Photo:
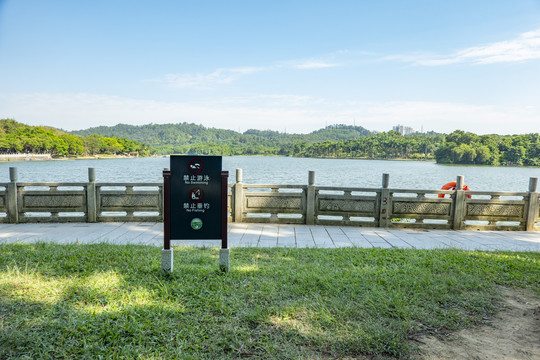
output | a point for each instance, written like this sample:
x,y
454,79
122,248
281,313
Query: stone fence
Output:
x,y
286,204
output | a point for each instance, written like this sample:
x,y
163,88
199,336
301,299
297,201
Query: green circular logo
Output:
x,y
196,224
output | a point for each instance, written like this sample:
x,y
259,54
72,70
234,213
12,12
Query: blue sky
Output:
x,y
291,66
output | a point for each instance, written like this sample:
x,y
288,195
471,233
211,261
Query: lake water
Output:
x,y
283,170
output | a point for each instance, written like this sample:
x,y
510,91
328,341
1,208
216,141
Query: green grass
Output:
x,y
112,302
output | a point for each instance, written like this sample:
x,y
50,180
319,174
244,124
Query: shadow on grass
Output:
x,y
85,301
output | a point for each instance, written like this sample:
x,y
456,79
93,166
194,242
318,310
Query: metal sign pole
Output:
x,y
224,252
167,252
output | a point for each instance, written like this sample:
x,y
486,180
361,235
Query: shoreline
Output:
x,y
48,157
44,157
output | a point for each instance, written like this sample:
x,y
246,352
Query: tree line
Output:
x,y
190,138
459,147
385,145
467,148
16,137
335,141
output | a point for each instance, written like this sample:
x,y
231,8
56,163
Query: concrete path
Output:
x,y
274,235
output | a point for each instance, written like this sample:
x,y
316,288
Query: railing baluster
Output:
x,y
285,203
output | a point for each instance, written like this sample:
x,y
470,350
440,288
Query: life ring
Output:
x,y
452,186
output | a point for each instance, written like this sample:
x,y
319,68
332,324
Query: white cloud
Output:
x,y
295,113
525,47
314,65
228,75
206,81
447,117
285,100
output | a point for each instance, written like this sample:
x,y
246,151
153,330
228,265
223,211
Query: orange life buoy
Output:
x,y
452,186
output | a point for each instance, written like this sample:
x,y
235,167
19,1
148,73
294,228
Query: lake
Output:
x,y
285,170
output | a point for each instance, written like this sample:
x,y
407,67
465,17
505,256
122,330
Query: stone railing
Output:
x,y
80,202
287,204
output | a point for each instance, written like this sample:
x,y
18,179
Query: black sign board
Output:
x,y
195,197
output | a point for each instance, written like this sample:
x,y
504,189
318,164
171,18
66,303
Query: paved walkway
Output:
x,y
274,235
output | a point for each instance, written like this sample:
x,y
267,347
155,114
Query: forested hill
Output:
x,y
192,138
16,138
336,141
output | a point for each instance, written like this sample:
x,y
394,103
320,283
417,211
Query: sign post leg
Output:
x,y
224,252
167,260
224,256
167,252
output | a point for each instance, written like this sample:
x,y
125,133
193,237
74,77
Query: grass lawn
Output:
x,y
112,302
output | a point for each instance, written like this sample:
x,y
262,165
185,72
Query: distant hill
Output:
x,y
192,138
19,138
335,141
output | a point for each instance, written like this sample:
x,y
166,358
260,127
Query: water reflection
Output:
x,y
281,170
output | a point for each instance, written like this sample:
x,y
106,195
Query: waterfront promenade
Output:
x,y
274,235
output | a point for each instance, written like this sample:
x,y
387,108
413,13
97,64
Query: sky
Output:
x,y
292,66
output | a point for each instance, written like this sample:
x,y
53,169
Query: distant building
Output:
x,y
403,130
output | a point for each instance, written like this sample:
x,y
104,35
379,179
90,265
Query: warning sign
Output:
x,y
195,197
195,166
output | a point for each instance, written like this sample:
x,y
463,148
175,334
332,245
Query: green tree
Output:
x,y
515,155
92,144
75,145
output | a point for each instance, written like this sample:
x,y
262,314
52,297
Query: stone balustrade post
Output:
x,y
460,181
238,190
310,199
12,196
532,211
459,204
384,208
91,200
